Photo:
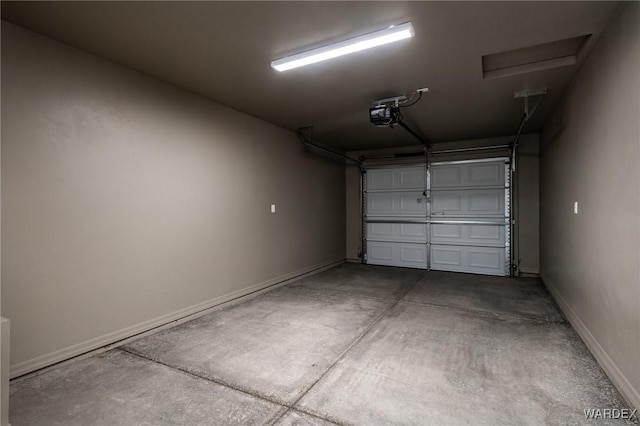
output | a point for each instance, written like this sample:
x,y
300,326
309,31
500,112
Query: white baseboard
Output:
x,y
529,271
616,376
5,339
120,337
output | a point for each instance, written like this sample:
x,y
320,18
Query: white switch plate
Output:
x,y
273,208
575,207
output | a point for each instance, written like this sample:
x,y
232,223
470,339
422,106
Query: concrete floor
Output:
x,y
353,345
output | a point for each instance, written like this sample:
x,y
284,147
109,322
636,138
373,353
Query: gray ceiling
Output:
x,y
222,51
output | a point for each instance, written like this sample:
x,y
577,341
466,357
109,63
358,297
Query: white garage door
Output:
x,y
461,224
396,217
469,217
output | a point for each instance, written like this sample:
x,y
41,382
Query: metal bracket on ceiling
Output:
x,y
395,101
528,112
526,94
305,134
399,101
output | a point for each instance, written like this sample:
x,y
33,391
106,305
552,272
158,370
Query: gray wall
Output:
x,y
527,194
591,154
128,202
353,213
528,218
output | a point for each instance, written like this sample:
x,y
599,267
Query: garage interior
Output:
x,y
441,230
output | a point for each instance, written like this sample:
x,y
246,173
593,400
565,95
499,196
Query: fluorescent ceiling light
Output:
x,y
389,35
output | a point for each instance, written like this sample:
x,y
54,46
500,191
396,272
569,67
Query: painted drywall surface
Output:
x,y
125,199
527,192
528,165
590,153
353,213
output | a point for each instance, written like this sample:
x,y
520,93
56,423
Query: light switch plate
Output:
x,y
273,208
575,207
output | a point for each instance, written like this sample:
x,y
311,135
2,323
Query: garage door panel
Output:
x,y
443,202
400,178
486,234
413,204
485,174
411,178
380,253
380,179
396,204
411,232
376,231
397,254
486,202
469,203
380,204
484,258
446,258
478,260
443,232
468,234
413,254
467,175
464,229
446,176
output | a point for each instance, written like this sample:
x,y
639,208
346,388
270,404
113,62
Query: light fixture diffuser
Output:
x,y
378,38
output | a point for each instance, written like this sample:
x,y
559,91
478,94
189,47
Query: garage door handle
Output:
x,y
437,212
